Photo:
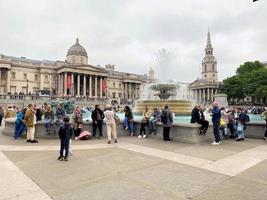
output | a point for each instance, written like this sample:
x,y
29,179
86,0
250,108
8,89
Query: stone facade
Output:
x,y
73,77
204,89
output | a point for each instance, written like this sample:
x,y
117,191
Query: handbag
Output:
x,y
116,119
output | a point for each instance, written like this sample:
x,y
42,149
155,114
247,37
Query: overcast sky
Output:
x,y
127,33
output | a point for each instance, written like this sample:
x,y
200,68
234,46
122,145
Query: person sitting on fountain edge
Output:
x,y
197,116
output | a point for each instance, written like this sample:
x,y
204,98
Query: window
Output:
x,y
213,75
119,95
46,77
113,95
13,75
205,76
36,77
25,76
114,85
213,67
205,68
120,85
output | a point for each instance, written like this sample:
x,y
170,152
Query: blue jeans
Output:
x,y
19,130
216,131
240,131
125,122
152,124
48,123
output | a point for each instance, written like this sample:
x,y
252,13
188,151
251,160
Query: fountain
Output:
x,y
162,92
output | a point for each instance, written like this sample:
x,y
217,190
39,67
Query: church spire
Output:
x,y
208,49
209,63
208,41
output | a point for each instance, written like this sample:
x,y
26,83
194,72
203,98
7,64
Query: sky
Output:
x,y
129,33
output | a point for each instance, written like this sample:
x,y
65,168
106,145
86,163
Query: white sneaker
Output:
x,y
215,143
139,136
144,136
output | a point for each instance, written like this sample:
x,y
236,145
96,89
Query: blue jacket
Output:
x,y
216,114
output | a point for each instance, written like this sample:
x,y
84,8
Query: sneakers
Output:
x,y
144,136
139,136
126,128
215,143
60,158
132,134
65,158
28,141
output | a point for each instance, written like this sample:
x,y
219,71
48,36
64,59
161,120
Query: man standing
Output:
x,y
166,119
216,116
2,113
97,117
29,122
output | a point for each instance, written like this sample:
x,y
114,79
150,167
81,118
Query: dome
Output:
x,y
77,50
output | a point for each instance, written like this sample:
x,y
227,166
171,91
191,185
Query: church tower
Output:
x,y
209,64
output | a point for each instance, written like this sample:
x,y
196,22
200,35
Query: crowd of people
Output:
x,y
223,119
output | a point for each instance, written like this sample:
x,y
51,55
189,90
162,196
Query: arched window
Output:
x,y
205,68
213,67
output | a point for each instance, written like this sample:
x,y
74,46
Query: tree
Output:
x,y
250,80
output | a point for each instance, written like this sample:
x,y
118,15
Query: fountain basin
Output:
x,y
179,107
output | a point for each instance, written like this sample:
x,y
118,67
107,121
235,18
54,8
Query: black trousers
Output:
x,y
204,123
143,128
166,133
98,125
1,118
231,128
64,145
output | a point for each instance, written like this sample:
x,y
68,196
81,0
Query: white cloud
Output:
x,y
128,32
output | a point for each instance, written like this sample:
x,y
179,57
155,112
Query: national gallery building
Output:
x,y
72,77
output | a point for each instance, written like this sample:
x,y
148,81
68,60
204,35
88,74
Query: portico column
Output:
x,y
72,84
65,83
8,81
41,81
61,84
95,86
90,86
78,84
130,90
84,85
208,94
101,94
212,94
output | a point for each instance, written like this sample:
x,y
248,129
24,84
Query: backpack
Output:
x,y
247,119
164,119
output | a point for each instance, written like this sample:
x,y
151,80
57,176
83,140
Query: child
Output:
x,y
65,133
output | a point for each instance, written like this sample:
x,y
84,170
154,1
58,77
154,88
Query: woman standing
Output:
x,y
111,125
19,124
77,119
129,120
166,119
144,122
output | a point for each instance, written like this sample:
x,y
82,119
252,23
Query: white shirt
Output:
x,y
109,116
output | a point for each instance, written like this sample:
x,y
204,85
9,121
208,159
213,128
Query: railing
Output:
x,y
23,100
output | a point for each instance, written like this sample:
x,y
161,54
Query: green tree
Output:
x,y
250,80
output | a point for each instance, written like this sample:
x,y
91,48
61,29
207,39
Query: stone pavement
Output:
x,y
133,169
